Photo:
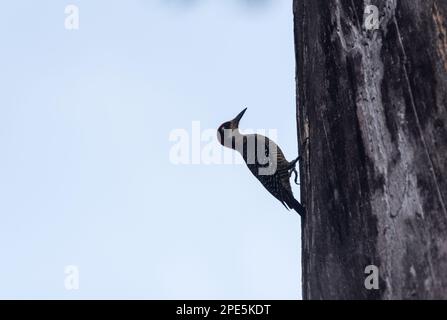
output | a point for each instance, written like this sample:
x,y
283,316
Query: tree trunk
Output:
x,y
373,178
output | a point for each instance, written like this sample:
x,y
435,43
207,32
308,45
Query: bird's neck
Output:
x,y
238,141
237,134
233,139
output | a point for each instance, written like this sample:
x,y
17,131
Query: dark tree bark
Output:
x,y
373,103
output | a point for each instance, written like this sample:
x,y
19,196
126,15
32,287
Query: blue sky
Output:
x,y
85,173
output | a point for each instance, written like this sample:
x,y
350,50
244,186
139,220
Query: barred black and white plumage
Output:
x,y
264,159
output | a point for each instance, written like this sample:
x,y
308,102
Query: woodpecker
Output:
x,y
264,159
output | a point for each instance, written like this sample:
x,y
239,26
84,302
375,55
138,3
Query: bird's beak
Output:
x,y
239,117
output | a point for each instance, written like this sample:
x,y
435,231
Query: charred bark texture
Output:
x,y
373,103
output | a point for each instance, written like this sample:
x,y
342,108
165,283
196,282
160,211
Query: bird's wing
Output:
x,y
277,184
267,163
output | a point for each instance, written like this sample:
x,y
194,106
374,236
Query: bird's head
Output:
x,y
227,129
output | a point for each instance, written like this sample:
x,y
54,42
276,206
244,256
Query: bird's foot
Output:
x,y
293,170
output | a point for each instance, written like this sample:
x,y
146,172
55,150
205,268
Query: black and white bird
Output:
x,y
264,159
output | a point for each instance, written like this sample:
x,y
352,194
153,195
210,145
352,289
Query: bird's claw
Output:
x,y
293,168
296,175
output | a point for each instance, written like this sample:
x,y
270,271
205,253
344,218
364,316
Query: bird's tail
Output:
x,y
295,205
